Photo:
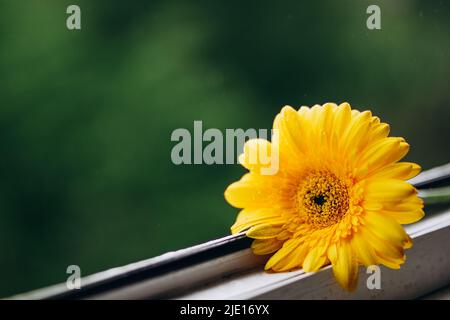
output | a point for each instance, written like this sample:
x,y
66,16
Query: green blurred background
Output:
x,y
86,116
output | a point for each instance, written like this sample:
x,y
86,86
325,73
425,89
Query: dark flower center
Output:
x,y
323,199
320,200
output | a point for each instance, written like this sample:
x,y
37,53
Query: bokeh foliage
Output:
x,y
86,116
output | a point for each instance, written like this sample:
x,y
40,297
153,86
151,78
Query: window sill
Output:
x,y
226,269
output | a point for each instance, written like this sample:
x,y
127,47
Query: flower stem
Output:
x,y
435,195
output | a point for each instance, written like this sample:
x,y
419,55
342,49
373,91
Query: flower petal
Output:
x,y
262,247
385,228
356,134
388,190
405,216
400,170
384,152
279,259
294,260
392,263
314,260
342,118
265,231
254,190
288,132
381,247
257,154
363,250
345,265
252,217
378,132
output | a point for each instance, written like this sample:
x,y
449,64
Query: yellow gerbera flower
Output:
x,y
338,197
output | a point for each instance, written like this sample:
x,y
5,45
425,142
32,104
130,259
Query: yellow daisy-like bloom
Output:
x,y
338,197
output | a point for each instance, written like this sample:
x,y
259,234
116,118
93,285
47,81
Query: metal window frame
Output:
x,y
225,268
